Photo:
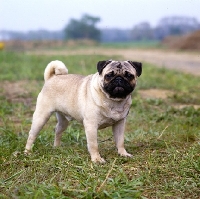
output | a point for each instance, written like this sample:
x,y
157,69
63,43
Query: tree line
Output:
x,y
86,28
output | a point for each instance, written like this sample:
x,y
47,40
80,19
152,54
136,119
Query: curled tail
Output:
x,y
55,68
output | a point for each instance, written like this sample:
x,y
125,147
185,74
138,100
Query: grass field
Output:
x,y
164,138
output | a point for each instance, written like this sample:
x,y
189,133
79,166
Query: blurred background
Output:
x,y
56,23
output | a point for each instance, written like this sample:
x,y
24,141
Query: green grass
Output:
x,y
20,66
163,139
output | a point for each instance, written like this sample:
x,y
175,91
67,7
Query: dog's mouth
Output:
x,y
118,89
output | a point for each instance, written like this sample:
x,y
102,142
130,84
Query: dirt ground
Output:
x,y
188,62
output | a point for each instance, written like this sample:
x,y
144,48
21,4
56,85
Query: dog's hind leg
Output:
x,y
60,127
40,117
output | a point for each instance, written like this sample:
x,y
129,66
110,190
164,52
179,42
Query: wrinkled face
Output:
x,y
118,78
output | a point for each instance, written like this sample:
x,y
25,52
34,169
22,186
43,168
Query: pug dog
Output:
x,y
97,101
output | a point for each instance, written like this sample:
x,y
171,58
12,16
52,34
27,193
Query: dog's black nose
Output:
x,y
118,79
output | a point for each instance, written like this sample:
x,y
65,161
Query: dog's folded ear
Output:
x,y
101,65
137,66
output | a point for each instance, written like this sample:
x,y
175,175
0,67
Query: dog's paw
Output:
x,y
98,159
27,152
124,153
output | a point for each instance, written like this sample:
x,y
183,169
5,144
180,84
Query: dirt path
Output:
x,y
186,62
183,61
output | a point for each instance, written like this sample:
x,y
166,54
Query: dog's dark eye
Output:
x,y
129,75
109,75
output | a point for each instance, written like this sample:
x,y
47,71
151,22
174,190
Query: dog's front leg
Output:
x,y
91,135
118,132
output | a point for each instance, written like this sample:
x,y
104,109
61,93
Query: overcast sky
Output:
x,y
25,15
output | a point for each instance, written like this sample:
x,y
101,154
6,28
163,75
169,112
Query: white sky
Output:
x,y
25,15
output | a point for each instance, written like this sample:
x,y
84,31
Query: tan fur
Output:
x,y
55,68
81,98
